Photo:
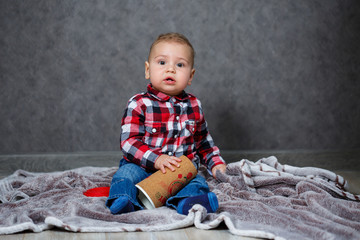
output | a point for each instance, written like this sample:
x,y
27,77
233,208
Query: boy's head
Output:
x,y
170,64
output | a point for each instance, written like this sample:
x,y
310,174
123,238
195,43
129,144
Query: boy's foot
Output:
x,y
209,201
121,205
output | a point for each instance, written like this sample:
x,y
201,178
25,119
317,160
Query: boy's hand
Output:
x,y
220,167
167,161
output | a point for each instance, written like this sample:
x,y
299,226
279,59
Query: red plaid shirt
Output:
x,y
155,123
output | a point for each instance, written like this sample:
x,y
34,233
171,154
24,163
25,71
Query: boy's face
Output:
x,y
169,67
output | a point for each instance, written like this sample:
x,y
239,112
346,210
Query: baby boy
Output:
x,y
162,124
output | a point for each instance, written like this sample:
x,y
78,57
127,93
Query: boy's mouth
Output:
x,y
169,80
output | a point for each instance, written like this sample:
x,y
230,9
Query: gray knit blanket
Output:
x,y
262,199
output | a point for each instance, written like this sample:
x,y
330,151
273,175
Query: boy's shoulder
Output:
x,y
143,97
192,97
139,96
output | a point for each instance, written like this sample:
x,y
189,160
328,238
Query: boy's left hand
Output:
x,y
221,168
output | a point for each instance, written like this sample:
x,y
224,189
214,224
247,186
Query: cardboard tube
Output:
x,y
158,187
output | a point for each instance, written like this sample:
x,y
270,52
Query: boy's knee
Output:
x,y
131,172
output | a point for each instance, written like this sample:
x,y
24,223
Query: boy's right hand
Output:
x,y
167,161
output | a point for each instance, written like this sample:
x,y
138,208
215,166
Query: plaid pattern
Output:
x,y
155,123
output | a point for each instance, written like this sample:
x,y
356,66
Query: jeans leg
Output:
x,y
195,187
124,181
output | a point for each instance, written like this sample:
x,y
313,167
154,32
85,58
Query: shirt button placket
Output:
x,y
176,124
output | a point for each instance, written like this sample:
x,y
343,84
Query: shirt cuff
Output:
x,y
216,160
149,159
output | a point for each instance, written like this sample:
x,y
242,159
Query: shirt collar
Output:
x,y
163,97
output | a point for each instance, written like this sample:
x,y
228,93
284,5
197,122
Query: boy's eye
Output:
x,y
162,62
180,64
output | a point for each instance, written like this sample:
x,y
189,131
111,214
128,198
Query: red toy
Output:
x,y
98,192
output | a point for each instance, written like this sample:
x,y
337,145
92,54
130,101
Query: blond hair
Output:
x,y
174,37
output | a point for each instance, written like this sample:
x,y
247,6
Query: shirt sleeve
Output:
x,y
131,138
209,153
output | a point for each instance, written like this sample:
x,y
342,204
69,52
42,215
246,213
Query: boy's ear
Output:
x,y
191,76
147,72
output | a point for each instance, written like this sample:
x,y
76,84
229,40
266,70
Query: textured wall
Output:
x,y
271,74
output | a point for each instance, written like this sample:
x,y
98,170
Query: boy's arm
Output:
x,y
131,139
210,154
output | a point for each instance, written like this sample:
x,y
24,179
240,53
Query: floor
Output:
x,y
344,163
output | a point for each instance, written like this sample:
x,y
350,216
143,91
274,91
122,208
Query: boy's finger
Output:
x,y
175,163
176,159
171,167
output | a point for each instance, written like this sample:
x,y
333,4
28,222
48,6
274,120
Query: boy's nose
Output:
x,y
171,68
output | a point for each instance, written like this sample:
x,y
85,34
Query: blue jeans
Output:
x,y
129,174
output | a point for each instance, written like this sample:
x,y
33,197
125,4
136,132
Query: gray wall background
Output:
x,y
271,75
